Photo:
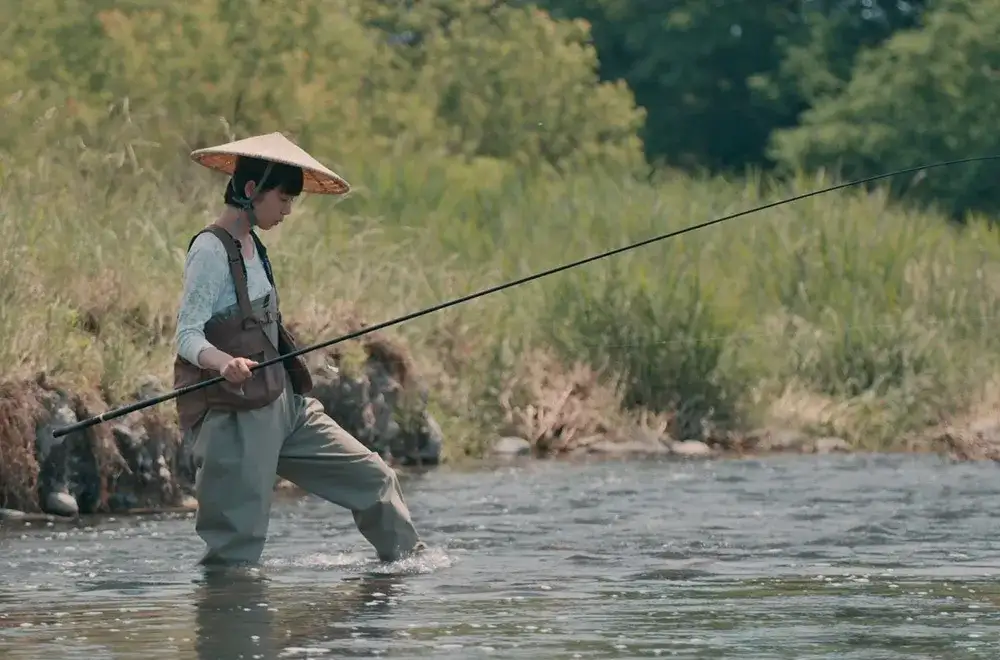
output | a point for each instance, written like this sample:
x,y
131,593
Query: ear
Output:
x,y
249,189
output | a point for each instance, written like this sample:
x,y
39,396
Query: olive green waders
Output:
x,y
239,453
239,448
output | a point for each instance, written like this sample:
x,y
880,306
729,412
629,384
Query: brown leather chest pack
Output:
x,y
241,335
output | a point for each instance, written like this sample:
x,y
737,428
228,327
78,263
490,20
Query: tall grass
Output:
x,y
881,319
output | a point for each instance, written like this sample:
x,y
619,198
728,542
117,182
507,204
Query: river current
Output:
x,y
789,557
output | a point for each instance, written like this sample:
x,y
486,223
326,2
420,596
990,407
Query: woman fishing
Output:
x,y
256,425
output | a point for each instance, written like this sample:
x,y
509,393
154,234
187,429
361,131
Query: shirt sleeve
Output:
x,y
206,272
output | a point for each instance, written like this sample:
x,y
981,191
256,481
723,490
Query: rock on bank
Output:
x,y
141,460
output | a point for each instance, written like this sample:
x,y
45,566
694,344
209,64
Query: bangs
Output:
x,y
287,178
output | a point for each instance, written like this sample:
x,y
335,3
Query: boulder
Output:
x,y
134,461
510,446
691,449
379,403
141,460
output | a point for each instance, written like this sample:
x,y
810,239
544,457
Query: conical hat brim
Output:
x,y
275,147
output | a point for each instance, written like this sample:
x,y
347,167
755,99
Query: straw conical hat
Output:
x,y
279,149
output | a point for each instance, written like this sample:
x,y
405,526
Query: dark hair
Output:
x,y
286,177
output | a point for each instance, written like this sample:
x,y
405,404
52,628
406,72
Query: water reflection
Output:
x,y
822,557
241,613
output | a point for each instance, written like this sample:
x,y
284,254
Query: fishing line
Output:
x,y
139,405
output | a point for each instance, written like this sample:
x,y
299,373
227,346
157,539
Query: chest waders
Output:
x,y
244,437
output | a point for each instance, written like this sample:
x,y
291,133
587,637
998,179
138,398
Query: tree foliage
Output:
x,y
510,84
690,64
718,78
860,86
929,94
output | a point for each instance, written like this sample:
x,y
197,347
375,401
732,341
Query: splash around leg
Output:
x,y
327,461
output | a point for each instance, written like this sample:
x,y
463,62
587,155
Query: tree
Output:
x,y
343,77
509,82
928,94
716,79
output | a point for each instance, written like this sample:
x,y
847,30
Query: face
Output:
x,y
271,207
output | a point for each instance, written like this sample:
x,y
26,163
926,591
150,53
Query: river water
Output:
x,y
791,557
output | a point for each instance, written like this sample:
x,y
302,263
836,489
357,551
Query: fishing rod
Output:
x,y
139,405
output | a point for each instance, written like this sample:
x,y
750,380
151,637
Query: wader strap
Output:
x,y
237,268
262,255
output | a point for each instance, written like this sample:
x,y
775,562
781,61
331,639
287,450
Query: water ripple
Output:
x,y
805,557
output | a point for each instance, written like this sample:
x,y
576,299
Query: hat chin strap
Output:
x,y
246,203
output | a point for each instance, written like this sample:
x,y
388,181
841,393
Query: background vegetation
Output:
x,y
487,140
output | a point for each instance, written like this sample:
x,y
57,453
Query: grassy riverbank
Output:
x,y
839,315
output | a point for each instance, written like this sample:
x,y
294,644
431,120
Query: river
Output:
x,y
789,557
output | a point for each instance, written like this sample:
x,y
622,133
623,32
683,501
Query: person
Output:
x,y
258,424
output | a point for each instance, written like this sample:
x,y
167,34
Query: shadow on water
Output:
x,y
242,614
